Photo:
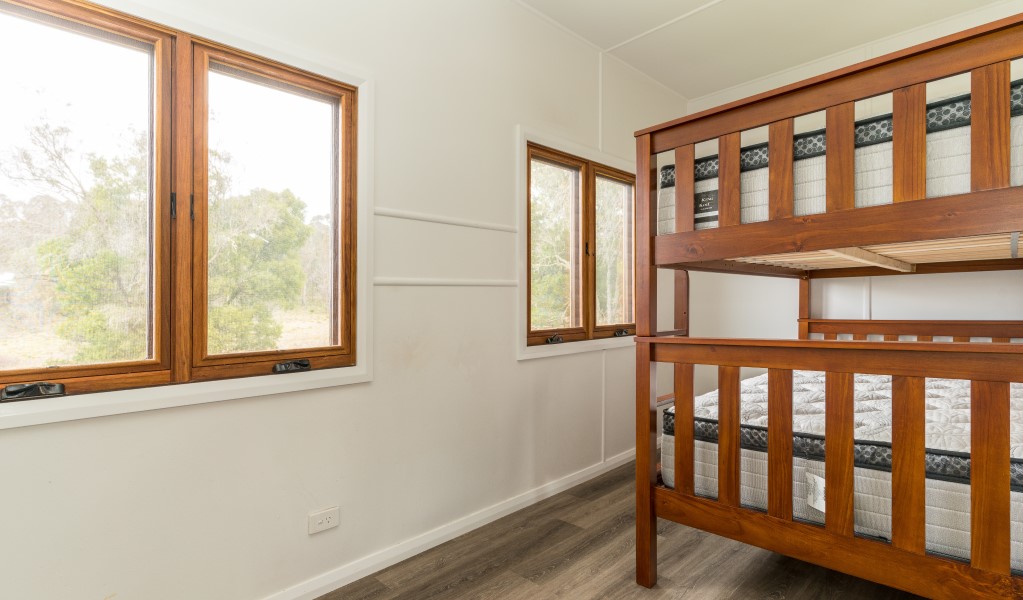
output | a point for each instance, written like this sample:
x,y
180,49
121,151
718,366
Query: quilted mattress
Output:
x,y
947,458
948,166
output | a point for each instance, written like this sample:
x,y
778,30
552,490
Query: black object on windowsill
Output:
x,y
292,366
30,391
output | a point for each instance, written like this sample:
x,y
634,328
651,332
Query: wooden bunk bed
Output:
x,y
912,234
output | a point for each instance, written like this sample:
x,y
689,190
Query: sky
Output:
x,y
100,90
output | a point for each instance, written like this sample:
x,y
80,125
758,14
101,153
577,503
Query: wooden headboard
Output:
x,y
924,331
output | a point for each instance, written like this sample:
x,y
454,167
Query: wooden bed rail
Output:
x,y
924,331
990,367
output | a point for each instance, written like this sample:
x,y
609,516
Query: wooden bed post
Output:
x,y
646,392
804,307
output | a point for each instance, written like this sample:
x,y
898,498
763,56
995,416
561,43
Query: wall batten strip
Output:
x,y
395,213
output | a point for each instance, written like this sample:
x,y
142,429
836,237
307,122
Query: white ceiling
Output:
x,y
699,47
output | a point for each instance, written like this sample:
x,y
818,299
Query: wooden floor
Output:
x,y
580,544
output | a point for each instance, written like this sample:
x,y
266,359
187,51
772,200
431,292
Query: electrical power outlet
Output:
x,y
327,518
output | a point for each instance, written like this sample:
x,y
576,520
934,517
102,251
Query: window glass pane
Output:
x,y
273,156
76,167
614,252
554,226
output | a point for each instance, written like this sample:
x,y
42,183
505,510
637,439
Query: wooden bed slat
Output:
x,y
909,143
989,476
989,137
780,185
908,484
685,187
841,157
779,443
684,449
729,453
838,453
729,201
859,255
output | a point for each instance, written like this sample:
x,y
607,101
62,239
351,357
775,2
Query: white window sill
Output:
x,y
102,404
546,350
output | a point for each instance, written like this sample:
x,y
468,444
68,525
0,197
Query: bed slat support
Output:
x,y
989,476
779,443
838,453
908,485
871,258
729,452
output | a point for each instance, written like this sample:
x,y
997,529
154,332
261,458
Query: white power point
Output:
x,y
327,518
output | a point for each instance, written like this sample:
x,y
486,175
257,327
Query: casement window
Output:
x,y
171,209
580,248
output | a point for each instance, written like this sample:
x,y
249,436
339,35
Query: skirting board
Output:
x,y
353,571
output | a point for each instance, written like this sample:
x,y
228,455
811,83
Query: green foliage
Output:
x,y
89,252
552,217
254,244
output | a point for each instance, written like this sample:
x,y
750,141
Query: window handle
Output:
x,y
292,366
28,391
555,339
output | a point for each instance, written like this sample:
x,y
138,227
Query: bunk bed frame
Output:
x,y
771,248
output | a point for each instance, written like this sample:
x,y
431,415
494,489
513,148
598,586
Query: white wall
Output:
x,y
210,501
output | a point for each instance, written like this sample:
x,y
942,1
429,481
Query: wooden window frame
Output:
x,y
178,243
204,365
589,172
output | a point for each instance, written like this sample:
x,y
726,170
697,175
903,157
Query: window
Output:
x,y
580,246
179,210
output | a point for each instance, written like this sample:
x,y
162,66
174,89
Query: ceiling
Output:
x,y
699,47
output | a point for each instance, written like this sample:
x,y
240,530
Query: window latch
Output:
x,y
621,332
28,391
292,366
555,339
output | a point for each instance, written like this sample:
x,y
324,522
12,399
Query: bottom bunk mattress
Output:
x,y
947,458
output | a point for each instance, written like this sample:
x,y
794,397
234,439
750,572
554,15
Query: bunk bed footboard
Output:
x,y
906,564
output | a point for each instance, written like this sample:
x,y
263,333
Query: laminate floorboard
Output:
x,y
580,544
